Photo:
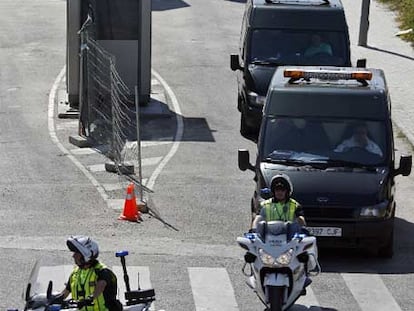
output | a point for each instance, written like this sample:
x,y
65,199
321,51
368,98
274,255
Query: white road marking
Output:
x,y
66,125
212,289
178,134
83,169
59,275
52,133
155,143
118,186
370,292
83,151
97,168
150,161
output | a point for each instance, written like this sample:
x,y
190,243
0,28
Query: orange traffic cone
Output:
x,y
131,211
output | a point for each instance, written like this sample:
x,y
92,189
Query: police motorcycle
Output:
x,y
39,294
278,262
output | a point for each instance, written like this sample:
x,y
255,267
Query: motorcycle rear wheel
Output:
x,y
276,298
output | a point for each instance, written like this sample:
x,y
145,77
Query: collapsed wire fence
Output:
x,y
109,115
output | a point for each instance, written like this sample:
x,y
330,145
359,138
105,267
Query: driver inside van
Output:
x,y
359,139
317,46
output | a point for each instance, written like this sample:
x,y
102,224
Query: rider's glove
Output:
x,y
252,230
88,301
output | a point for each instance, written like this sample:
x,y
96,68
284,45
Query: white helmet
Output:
x,y
282,180
84,245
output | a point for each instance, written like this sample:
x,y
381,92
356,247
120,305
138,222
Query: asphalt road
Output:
x,y
200,192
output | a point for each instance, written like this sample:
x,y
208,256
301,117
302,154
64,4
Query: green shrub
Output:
x,y
405,10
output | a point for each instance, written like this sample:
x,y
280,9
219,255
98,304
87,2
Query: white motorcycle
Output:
x,y
40,297
281,261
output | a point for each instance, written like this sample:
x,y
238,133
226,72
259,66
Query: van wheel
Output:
x,y
387,251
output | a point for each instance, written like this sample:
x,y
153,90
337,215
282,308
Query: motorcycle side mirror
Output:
x,y
49,290
28,288
265,193
249,257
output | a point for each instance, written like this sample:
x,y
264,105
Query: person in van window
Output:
x,y
317,46
359,139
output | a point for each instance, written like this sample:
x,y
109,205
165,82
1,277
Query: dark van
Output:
x,y
330,130
284,32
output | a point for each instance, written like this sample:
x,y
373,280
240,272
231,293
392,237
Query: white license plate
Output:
x,y
325,231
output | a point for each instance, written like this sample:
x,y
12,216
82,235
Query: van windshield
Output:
x,y
340,142
294,47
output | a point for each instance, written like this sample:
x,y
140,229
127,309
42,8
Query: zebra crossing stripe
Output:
x,y
370,292
309,300
59,275
157,143
134,272
212,289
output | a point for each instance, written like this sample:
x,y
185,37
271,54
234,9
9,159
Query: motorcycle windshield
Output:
x,y
47,275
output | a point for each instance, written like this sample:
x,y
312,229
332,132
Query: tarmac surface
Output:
x,y
384,50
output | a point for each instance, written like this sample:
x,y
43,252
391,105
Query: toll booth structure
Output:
x,y
123,28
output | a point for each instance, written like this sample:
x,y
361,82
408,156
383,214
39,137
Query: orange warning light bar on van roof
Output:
x,y
327,74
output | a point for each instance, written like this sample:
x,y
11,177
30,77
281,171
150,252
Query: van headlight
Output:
x,y
255,99
375,211
282,260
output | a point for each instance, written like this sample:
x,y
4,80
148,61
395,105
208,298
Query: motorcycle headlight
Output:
x,y
255,99
266,258
376,211
283,259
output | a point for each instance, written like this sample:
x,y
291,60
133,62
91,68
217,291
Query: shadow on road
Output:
x,y
389,52
163,5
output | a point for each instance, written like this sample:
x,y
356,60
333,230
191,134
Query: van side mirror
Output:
x,y
235,62
244,163
405,165
361,63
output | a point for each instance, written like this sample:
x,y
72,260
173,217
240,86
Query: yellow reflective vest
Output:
x,y
279,211
82,285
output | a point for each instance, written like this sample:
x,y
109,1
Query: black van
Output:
x,y
329,129
281,32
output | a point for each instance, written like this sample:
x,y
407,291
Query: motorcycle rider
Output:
x,y
91,283
283,207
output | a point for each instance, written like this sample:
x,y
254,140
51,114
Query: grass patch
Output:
x,y
405,10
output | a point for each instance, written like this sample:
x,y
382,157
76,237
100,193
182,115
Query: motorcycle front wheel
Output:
x,y
276,297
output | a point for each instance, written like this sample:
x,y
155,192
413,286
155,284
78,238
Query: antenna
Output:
x,y
139,287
